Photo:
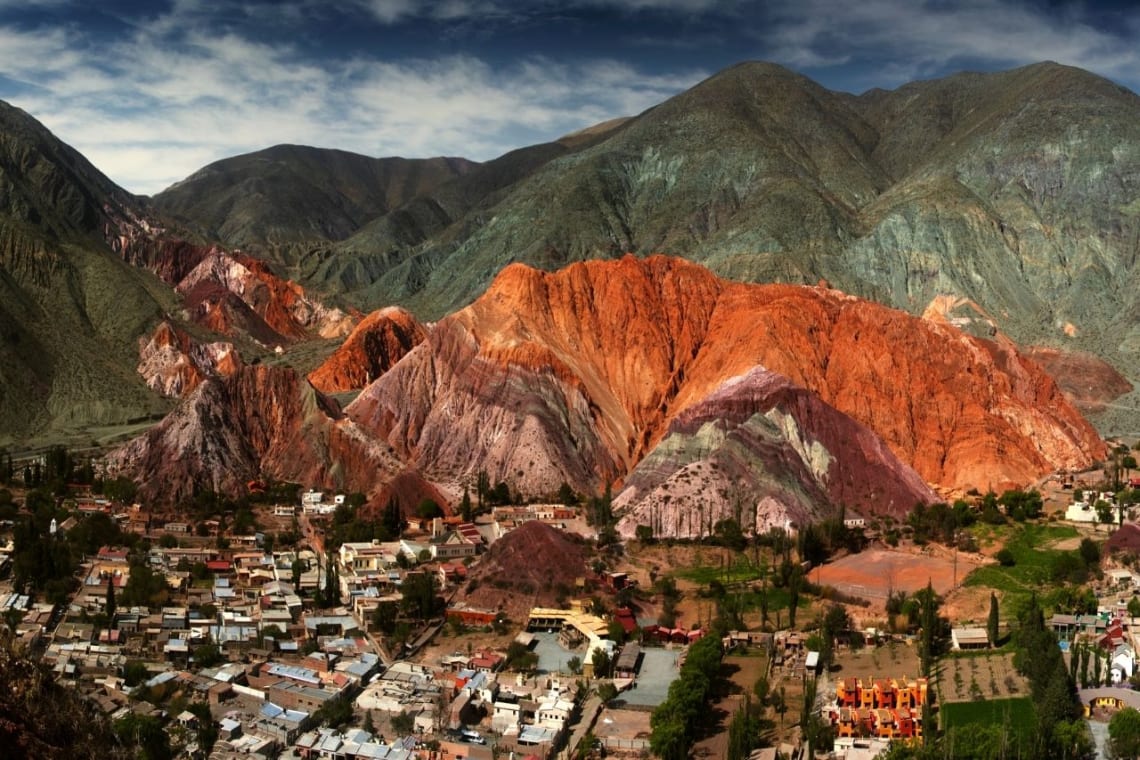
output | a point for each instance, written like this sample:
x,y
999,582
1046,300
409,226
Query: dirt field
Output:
x,y
969,679
742,670
874,573
894,660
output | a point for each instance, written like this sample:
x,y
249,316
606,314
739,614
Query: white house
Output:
x,y
1081,511
553,712
1123,663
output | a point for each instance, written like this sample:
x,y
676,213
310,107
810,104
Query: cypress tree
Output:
x,y
111,601
992,623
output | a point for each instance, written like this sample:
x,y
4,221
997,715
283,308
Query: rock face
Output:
x,y
707,398
173,363
762,451
1087,381
260,422
379,341
577,376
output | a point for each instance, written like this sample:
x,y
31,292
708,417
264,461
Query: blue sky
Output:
x,y
151,91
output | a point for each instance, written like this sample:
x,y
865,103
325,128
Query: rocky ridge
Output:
x,y
379,341
655,375
173,363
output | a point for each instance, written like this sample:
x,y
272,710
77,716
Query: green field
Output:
x,y
743,578
1033,564
741,571
1014,714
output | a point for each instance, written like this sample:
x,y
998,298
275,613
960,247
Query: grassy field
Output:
x,y
1033,563
742,577
1016,714
741,571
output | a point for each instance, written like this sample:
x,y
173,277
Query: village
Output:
x,y
240,645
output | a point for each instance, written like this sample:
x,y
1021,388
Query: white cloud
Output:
x,y
149,111
921,37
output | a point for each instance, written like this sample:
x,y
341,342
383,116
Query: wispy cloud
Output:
x,y
912,38
152,108
165,92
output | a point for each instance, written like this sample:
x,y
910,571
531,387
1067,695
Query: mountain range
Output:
x,y
1013,190
999,206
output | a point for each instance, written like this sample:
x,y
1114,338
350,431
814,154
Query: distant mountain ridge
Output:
x,y
290,193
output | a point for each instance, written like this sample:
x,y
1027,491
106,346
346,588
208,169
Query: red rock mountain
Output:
x,y
510,579
226,291
577,375
763,451
378,342
173,363
780,400
260,422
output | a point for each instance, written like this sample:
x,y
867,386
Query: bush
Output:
x,y
1005,558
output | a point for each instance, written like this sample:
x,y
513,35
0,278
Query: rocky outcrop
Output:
x,y
173,363
576,376
258,423
228,292
378,342
763,452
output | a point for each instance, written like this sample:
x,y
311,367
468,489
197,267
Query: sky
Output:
x,y
150,91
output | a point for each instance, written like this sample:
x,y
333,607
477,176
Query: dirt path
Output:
x,y
741,672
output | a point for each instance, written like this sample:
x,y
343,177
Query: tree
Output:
x,y
336,712
145,734
795,581
644,534
931,628
574,664
728,533
135,672
1124,734
993,621
607,692
520,658
418,595
207,655
207,729
743,731
1090,553
482,487
835,622
402,723
392,519
332,582
1005,557
601,662
465,509
566,495
428,509
111,600
1103,511
385,616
